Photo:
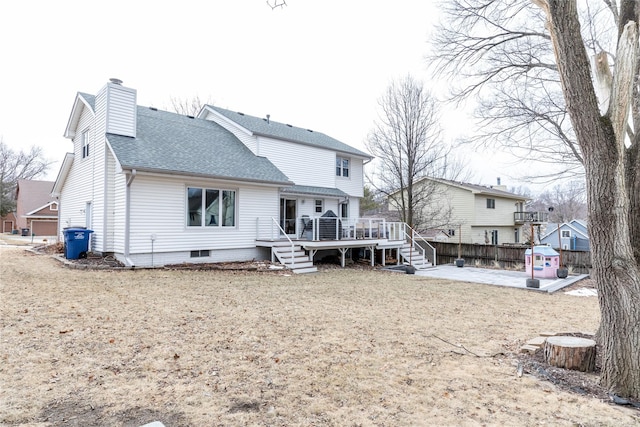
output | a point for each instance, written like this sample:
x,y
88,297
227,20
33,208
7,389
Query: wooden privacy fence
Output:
x,y
508,256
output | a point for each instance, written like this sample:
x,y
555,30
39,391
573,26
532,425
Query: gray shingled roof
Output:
x,y
482,189
315,191
91,99
171,143
261,126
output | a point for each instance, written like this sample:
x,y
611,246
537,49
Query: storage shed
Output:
x,y
545,262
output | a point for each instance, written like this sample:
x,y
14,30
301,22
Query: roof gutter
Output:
x,y
127,217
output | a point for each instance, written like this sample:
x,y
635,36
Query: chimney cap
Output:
x,y
115,81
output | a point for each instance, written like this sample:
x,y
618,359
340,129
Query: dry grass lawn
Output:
x,y
336,348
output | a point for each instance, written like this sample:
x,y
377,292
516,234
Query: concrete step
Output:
x,y
302,264
305,270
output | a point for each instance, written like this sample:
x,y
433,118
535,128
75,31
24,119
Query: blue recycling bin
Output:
x,y
76,242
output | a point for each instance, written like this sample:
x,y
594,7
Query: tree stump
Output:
x,y
571,353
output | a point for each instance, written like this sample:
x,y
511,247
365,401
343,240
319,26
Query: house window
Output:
x,y
200,253
451,232
318,206
566,233
344,210
516,235
85,144
342,167
211,207
494,237
491,203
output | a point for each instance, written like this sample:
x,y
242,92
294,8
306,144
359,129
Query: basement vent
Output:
x,y
200,254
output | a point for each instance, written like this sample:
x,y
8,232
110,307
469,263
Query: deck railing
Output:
x,y
274,231
413,236
332,228
534,217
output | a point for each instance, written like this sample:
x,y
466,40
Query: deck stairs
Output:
x,y
297,261
411,256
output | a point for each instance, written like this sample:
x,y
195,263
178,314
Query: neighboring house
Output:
x,y
36,209
161,188
476,213
573,236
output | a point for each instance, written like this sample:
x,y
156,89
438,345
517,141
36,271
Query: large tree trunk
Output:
x,y
601,138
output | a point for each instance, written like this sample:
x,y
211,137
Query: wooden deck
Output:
x,y
342,245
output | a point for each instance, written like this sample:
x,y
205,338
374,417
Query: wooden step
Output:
x,y
288,255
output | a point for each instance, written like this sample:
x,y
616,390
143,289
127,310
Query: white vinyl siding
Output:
x,y
158,208
84,184
121,113
302,164
354,186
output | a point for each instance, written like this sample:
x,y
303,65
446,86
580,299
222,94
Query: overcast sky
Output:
x,y
318,64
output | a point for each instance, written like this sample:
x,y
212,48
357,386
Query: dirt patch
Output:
x,y
124,347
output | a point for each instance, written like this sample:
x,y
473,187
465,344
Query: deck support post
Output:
x,y
342,252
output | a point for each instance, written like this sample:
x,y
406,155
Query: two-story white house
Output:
x,y
161,188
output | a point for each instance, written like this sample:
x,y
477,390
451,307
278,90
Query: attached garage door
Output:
x,y
44,228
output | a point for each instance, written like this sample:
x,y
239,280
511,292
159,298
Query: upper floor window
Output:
x,y
491,203
342,167
566,233
85,144
319,206
211,207
451,232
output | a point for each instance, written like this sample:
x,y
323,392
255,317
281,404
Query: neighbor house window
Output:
x,y
318,206
85,144
342,167
566,233
491,203
211,207
516,235
451,232
494,237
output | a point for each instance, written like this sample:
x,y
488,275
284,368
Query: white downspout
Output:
x,y
127,216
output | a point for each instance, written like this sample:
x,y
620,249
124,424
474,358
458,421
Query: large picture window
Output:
x,y
211,207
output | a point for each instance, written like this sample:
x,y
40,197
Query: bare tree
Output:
x,y
407,144
611,157
188,106
14,167
273,4
569,202
500,53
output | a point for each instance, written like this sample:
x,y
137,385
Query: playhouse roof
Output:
x,y
542,250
